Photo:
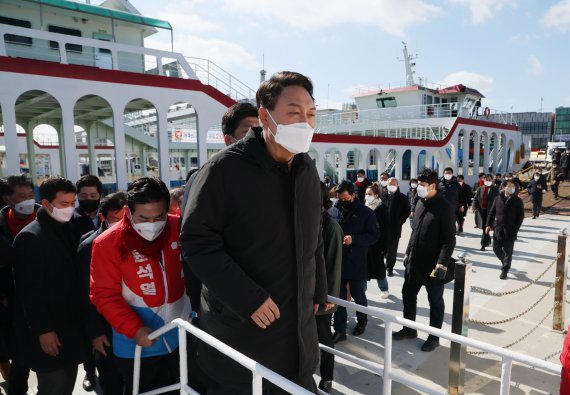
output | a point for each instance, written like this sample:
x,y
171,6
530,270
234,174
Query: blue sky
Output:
x,y
513,51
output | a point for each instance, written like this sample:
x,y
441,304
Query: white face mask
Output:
x,y
392,188
509,191
383,183
360,179
536,178
488,183
334,200
422,191
413,185
447,176
295,137
62,214
369,199
26,207
148,230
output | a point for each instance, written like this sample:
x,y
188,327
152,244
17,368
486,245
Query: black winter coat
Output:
x,y
360,223
491,195
47,295
506,216
449,190
398,212
252,230
534,191
376,252
432,240
81,224
332,241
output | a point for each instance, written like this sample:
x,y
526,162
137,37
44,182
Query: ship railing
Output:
x,y
396,85
65,49
390,129
386,371
498,116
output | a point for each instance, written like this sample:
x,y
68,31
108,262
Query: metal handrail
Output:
x,y
259,372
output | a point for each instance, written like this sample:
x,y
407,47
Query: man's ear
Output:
x,y
263,117
228,139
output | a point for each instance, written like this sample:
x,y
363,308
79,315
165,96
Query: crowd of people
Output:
x,y
248,251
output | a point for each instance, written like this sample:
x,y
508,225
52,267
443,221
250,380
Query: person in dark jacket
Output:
x,y
482,203
261,286
480,182
536,187
360,232
332,242
505,219
413,198
48,316
20,210
565,164
98,330
398,213
85,220
377,251
465,196
449,190
427,256
384,177
362,183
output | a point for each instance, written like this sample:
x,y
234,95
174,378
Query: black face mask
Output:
x,y
89,205
345,204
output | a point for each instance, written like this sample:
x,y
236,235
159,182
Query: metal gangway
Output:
x,y
389,375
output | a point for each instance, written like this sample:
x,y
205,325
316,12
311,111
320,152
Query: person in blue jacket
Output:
x,y
361,230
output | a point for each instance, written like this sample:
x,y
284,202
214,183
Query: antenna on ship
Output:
x,y
409,65
262,72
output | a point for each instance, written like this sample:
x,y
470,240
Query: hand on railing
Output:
x,y
141,337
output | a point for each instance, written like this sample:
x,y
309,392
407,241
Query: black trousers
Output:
x,y
110,378
391,251
156,372
504,251
485,238
536,205
59,382
18,384
269,388
554,188
358,292
326,337
410,292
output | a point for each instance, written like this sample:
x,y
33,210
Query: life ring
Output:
x,y
487,112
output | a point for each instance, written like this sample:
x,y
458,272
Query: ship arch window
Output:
x,y
66,31
386,102
14,38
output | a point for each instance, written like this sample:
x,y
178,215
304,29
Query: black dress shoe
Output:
x,y
359,329
325,386
339,337
482,248
89,383
430,344
503,275
405,333
390,272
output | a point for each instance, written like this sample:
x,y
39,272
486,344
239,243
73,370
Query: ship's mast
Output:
x,y
409,65
262,72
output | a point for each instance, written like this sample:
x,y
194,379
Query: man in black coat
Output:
x,y
482,202
536,187
505,219
362,183
449,190
398,212
465,197
360,230
427,257
260,255
48,315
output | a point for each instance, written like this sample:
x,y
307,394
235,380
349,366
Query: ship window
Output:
x,y
69,32
386,102
427,99
436,100
14,38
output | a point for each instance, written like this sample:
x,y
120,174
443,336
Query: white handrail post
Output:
x,y
506,376
183,353
256,383
62,52
137,370
159,68
115,59
386,380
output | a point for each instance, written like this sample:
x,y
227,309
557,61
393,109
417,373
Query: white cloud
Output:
x,y
483,83
558,16
535,65
390,16
483,10
189,23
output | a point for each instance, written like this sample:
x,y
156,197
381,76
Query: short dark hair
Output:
x,y
498,175
235,114
361,171
460,177
488,175
148,190
21,180
190,172
481,175
114,201
326,201
269,91
448,169
384,174
428,175
53,185
89,180
345,186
